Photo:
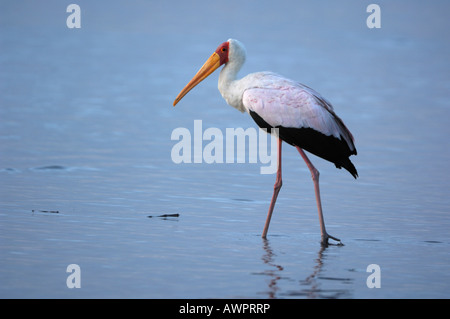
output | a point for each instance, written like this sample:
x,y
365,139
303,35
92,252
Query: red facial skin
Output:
x,y
222,51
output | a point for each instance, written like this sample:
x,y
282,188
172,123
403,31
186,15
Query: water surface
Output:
x,y
85,127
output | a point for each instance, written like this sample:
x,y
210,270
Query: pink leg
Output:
x,y
315,177
276,190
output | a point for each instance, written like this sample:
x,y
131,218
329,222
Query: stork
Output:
x,y
300,116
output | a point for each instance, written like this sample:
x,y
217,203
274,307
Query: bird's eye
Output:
x,y
224,49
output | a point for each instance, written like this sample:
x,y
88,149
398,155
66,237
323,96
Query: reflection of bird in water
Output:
x,y
311,285
273,274
311,280
314,281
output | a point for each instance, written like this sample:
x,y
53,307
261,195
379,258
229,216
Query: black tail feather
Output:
x,y
348,165
330,148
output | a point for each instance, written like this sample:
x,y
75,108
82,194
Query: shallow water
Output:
x,y
85,153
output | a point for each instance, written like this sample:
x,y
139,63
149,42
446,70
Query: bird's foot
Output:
x,y
325,239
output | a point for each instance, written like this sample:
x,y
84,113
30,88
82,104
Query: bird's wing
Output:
x,y
290,104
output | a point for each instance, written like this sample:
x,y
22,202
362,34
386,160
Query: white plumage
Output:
x,y
295,106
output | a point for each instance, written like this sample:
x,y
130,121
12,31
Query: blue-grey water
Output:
x,y
86,119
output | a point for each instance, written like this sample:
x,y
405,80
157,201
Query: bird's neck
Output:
x,y
229,85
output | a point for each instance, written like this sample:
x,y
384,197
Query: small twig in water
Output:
x,y
46,211
165,215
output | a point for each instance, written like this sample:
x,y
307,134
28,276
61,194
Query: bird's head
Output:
x,y
229,51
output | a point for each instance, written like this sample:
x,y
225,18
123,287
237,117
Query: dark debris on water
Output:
x,y
46,211
164,216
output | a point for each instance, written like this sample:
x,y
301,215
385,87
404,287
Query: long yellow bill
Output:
x,y
209,67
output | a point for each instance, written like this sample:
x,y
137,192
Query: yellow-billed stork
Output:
x,y
302,116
